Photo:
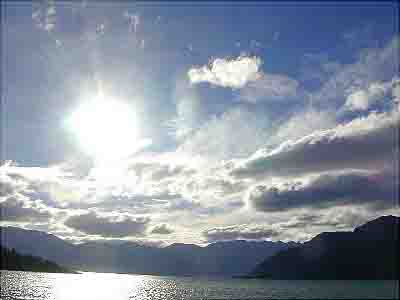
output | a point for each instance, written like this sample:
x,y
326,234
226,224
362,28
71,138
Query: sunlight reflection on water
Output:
x,y
26,285
99,286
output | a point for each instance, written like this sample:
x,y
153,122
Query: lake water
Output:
x,y
32,286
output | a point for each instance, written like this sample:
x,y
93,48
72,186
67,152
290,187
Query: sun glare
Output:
x,y
106,129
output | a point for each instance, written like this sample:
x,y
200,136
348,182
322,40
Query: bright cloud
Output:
x,y
372,65
233,73
244,231
363,99
217,138
270,87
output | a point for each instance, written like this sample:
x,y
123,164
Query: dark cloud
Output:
x,y
251,232
379,189
162,229
365,143
16,210
92,223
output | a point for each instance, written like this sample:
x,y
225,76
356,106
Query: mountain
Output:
x,y
229,258
371,251
13,261
37,243
235,257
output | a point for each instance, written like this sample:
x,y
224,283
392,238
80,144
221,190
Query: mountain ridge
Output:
x,y
13,261
370,251
224,258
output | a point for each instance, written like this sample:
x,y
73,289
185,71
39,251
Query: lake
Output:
x,y
32,286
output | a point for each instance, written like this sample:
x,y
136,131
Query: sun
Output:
x,y
106,129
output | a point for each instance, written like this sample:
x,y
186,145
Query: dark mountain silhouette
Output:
x,y
13,261
229,258
371,251
37,243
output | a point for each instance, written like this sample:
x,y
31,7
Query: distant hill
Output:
x,y
37,243
371,251
13,261
228,258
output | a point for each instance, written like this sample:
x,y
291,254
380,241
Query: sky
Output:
x,y
198,122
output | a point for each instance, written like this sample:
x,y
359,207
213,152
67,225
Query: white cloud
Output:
x,y
233,73
243,231
358,100
298,225
303,123
363,99
244,73
218,138
57,186
18,202
181,185
372,65
269,87
190,111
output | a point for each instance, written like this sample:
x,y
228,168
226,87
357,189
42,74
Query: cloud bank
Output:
x,y
326,190
366,143
20,209
121,226
245,231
